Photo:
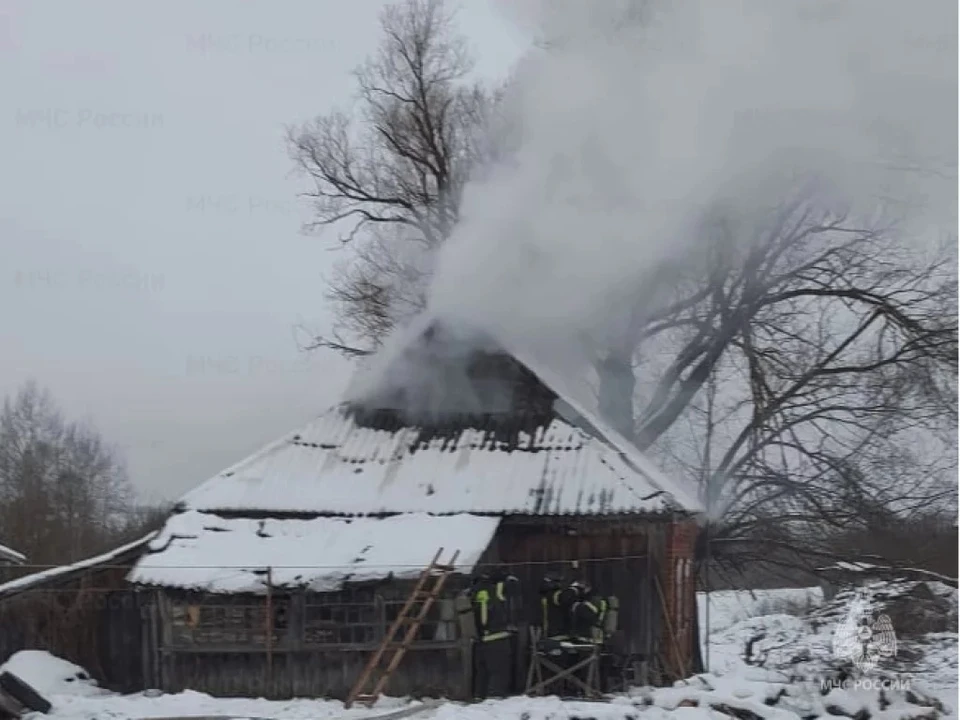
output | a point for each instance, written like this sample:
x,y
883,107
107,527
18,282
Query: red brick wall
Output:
x,y
679,590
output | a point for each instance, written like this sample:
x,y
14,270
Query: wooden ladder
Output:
x,y
423,593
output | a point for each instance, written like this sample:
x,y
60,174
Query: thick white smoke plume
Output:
x,y
634,120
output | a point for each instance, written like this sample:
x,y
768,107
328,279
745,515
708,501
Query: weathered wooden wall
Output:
x,y
93,621
678,585
616,556
318,650
319,643
331,672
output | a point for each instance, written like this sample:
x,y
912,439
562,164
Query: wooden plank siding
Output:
x,y
624,562
319,653
327,637
93,620
426,672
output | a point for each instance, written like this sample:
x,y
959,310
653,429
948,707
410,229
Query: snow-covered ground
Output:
x,y
781,679
793,633
720,609
728,618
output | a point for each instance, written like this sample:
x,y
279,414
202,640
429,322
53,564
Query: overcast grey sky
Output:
x,y
152,266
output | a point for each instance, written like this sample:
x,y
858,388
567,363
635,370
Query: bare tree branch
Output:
x,y
390,177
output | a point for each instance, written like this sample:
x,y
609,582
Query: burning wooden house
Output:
x,y
280,576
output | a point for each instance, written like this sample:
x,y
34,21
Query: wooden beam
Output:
x,y
681,670
268,623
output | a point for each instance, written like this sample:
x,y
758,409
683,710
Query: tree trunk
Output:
x,y
617,385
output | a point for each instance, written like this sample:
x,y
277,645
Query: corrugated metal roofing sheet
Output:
x,y
337,466
204,552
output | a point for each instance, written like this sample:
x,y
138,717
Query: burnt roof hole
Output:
x,y
504,432
452,370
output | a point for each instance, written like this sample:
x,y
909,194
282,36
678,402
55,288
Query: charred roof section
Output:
x,y
450,378
506,432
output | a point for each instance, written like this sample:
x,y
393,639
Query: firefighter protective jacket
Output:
x,y
557,603
588,616
496,607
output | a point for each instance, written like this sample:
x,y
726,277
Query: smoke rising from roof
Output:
x,y
423,372
639,122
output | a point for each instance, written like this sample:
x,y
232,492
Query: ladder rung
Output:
x,y
375,671
390,647
389,651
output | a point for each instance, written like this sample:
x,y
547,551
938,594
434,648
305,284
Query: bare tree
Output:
x,y
64,494
390,177
792,375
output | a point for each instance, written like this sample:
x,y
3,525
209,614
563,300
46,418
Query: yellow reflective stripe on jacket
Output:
x,y
501,595
483,598
496,636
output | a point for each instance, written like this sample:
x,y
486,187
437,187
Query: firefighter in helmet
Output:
x,y
589,615
496,606
556,601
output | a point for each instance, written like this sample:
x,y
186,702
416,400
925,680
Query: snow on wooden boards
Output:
x,y
205,552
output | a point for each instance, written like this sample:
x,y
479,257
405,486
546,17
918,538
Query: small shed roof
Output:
x,y
9,555
64,573
199,551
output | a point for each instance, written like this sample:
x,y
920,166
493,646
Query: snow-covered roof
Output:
x,y
339,465
65,572
684,494
850,566
9,555
888,571
206,552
